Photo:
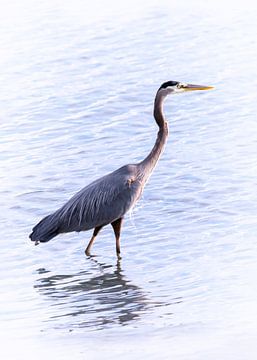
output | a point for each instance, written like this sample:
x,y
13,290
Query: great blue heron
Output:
x,y
106,200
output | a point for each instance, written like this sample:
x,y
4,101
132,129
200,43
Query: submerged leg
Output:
x,y
117,227
96,231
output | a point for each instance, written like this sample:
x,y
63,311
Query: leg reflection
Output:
x,y
95,298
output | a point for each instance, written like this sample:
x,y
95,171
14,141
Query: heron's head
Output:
x,y
175,87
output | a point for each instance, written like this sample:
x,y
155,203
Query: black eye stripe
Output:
x,y
169,83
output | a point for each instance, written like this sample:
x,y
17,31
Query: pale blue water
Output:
x,y
77,86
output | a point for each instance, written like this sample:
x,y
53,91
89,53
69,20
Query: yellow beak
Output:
x,y
191,87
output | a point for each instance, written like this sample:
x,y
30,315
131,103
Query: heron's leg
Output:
x,y
117,227
96,231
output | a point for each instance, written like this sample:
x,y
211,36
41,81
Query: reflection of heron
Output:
x,y
106,200
94,301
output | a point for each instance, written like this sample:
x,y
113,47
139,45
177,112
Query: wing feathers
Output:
x,y
101,202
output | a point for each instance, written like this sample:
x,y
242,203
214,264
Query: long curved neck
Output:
x,y
150,161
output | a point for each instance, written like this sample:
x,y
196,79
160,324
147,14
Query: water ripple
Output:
x,y
78,88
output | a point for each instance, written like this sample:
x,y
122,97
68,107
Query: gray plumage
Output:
x,y
108,199
100,203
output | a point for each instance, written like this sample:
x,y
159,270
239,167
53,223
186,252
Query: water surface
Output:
x,y
78,84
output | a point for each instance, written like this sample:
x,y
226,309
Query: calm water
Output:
x,y
77,86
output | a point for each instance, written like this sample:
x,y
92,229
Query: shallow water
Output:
x,y
78,84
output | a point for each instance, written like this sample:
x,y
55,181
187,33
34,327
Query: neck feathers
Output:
x,y
150,161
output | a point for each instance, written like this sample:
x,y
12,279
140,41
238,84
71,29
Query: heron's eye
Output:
x,y
180,86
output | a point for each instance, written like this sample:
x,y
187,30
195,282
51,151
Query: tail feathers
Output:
x,y
45,230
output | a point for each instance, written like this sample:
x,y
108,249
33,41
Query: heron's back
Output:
x,y
100,203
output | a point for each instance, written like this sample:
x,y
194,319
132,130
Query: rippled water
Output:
x,y
78,83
